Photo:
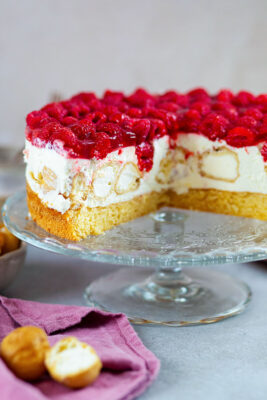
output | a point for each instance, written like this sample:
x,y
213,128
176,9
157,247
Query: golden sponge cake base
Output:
x,y
79,223
240,204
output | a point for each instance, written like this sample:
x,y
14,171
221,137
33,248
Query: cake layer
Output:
x,y
65,183
240,204
193,162
77,224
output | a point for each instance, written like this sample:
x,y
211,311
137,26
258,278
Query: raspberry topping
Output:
x,y
86,126
240,137
145,152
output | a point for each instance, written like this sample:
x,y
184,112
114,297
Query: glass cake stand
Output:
x,y
160,244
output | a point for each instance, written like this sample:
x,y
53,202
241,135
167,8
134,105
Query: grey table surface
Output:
x,y
226,360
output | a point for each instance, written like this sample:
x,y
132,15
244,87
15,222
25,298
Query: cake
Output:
x,y
95,162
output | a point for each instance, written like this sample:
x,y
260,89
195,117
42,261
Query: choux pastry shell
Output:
x,y
24,350
73,363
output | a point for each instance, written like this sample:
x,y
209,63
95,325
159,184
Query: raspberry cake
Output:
x,y
93,163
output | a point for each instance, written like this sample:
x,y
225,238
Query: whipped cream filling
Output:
x,y
216,165
99,182
196,162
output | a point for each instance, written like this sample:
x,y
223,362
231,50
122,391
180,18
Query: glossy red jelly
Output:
x,y
86,126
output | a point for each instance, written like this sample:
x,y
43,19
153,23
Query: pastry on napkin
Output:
x,y
128,366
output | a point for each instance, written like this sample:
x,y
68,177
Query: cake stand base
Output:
x,y
169,296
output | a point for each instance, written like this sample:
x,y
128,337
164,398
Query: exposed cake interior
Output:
x,y
93,163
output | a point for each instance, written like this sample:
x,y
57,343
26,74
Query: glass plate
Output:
x,y
168,240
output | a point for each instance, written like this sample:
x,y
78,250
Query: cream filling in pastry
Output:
x,y
193,161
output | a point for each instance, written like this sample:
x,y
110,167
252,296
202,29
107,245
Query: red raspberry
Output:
x,y
247,122
40,137
76,109
171,121
129,139
202,108
85,148
240,137
109,110
155,113
84,128
158,129
83,110
141,128
264,152
243,98
53,127
37,119
262,102
28,134
72,108
262,134
100,148
183,100
108,127
97,116
146,111
135,112
254,112
123,107
116,118
198,94
225,95
171,97
141,98
55,110
230,112
128,123
261,99
113,98
191,120
66,136
226,109
214,126
168,118
169,106
114,132
95,105
85,97
67,121
145,152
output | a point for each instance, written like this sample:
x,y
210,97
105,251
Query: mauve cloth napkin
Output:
x,y
129,367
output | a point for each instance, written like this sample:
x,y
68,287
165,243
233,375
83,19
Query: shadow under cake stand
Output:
x,y
154,289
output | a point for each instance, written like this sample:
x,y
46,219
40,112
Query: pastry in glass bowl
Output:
x,y
12,256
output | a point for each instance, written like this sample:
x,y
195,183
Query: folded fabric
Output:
x,y
128,366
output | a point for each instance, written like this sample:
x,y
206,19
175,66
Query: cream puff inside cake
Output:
x,y
93,163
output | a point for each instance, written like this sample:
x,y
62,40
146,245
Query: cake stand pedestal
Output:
x,y
164,280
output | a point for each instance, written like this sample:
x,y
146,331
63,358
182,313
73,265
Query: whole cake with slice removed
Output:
x,y
93,163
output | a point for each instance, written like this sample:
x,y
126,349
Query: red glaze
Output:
x,y
86,126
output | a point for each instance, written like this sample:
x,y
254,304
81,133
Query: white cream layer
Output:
x,y
197,163
216,165
106,177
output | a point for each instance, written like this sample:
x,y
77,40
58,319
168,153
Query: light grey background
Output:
x,y
67,46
